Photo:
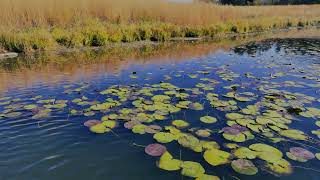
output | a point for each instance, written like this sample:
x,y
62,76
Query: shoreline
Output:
x,y
138,44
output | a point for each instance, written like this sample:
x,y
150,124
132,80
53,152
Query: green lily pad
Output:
x,y
243,166
245,153
231,145
234,116
266,152
217,157
13,114
281,166
110,124
30,107
167,162
192,169
99,129
318,123
293,134
139,129
163,137
180,123
208,119
189,141
207,177
203,133
196,106
207,145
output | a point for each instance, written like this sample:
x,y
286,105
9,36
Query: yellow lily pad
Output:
x,y
208,119
192,169
167,162
217,157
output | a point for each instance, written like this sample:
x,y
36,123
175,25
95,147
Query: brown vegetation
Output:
x,y
42,24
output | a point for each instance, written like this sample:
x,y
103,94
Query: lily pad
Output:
x,y
207,177
217,157
243,166
155,149
91,123
180,123
196,106
208,119
203,133
167,162
30,107
163,137
192,169
293,134
266,152
99,129
300,154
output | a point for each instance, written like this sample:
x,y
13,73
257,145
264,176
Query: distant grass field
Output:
x,y
48,24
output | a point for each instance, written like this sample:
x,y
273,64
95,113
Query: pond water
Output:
x,y
265,91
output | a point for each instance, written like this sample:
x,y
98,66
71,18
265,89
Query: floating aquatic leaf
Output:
x,y
207,177
231,145
139,129
99,129
153,129
206,145
203,133
163,137
189,141
300,154
245,153
234,116
180,123
90,123
208,119
280,166
167,162
110,124
130,124
196,106
155,149
30,107
192,169
236,133
89,113
293,134
318,123
266,152
216,157
244,166
161,98
13,114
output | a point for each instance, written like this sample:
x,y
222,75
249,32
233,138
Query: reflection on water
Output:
x,y
288,46
280,77
53,68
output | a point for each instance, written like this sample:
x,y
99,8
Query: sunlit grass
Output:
x,y
44,24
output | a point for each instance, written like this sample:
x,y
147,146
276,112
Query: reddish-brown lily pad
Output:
x,y
92,122
155,149
234,129
130,124
301,153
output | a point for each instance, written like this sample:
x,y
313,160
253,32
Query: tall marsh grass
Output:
x,y
27,25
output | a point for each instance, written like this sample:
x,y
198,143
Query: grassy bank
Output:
x,y
39,25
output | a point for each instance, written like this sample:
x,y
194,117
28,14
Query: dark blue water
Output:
x,y
61,147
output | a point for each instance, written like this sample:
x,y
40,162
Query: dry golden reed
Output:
x,y
28,25
22,13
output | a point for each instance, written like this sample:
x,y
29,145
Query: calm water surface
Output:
x,y
61,147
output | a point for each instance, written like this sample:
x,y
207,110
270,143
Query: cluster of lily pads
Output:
x,y
267,113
